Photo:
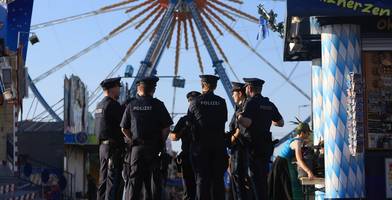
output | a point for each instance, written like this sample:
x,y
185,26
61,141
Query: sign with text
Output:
x,y
336,8
376,25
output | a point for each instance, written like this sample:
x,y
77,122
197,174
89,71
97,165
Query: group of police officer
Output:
x,y
142,125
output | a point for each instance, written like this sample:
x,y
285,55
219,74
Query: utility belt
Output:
x,y
108,142
116,147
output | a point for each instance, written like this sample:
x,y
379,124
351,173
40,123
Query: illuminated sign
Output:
x,y
332,8
385,24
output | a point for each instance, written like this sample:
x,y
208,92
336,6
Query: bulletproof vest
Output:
x,y
211,117
266,109
145,124
187,135
244,135
261,138
234,123
105,126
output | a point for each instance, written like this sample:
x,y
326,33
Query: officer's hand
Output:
x,y
237,114
233,140
128,140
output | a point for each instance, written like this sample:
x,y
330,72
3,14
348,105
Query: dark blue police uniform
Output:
x,y
185,128
189,182
127,155
108,131
239,155
209,115
145,117
262,112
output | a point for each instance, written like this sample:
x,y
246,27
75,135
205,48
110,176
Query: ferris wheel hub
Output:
x,y
183,12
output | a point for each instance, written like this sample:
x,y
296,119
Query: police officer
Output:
x,y
146,124
127,155
182,131
208,113
107,127
258,115
238,144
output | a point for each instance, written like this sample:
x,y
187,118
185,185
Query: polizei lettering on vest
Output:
x,y
210,103
142,108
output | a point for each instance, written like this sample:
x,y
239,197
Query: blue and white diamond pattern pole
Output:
x,y
341,54
317,101
317,109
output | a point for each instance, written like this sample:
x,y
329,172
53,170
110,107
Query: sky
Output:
x,y
60,42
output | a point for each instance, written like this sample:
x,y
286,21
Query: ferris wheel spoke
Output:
x,y
154,3
178,46
211,35
195,43
212,22
75,18
149,26
186,34
275,69
93,97
221,11
109,7
147,17
156,29
236,1
35,109
235,10
228,28
45,111
31,106
240,16
124,24
79,54
172,26
233,72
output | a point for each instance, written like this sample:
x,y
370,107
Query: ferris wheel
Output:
x,y
182,24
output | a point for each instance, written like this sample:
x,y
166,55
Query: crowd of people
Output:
x,y
132,144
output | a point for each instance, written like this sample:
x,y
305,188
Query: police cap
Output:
x,y
192,94
254,82
237,86
111,83
150,80
209,78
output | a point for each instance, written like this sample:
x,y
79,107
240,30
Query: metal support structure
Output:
x,y
279,73
75,17
217,63
14,138
174,101
77,55
42,100
149,64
